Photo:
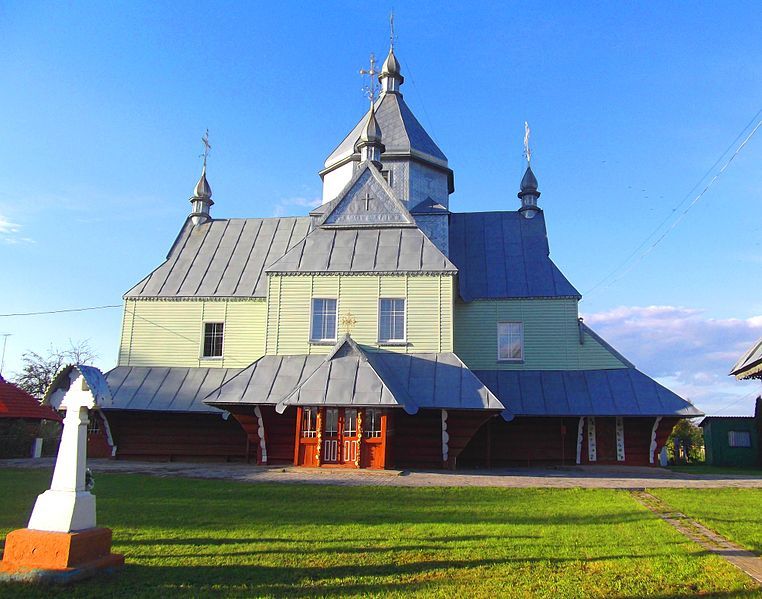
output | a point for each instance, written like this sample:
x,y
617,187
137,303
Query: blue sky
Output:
x,y
630,105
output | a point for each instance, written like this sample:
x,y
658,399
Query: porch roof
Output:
x,y
353,376
613,392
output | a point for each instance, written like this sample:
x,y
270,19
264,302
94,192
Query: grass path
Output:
x,y
734,513
197,538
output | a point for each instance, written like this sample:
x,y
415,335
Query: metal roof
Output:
x,y
352,376
164,389
504,255
222,258
376,250
95,379
615,392
749,365
401,133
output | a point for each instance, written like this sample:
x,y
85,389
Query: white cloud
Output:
x,y
301,205
9,232
686,351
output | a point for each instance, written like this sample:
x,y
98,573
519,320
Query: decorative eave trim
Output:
x,y
414,273
196,298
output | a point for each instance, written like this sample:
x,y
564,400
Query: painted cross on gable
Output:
x,y
367,200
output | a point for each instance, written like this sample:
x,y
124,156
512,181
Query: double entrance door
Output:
x,y
341,444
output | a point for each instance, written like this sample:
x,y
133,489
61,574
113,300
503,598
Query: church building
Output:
x,y
381,330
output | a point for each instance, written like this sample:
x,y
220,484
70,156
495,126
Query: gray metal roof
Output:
x,y
367,200
401,133
353,376
164,389
222,258
387,250
504,255
615,392
94,378
749,365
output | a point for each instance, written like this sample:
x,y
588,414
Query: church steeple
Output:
x,y
528,194
369,145
201,200
391,77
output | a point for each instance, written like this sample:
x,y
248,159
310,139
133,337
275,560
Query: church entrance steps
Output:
x,y
623,477
745,560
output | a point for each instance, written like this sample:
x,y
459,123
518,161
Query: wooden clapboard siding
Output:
x,y
171,436
429,304
169,333
551,336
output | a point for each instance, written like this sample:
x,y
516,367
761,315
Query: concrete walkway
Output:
x,y
603,477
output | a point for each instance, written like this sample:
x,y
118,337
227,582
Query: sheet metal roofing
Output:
x,y
388,250
749,365
401,133
615,392
352,376
95,379
17,403
222,258
504,255
164,389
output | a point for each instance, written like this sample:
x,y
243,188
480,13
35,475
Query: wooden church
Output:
x,y
380,330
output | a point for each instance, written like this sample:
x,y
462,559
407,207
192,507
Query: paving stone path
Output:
x,y
738,556
603,477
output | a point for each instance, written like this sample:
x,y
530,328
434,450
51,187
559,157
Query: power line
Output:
x,y
681,217
61,311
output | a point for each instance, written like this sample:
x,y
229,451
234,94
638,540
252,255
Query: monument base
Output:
x,y
57,557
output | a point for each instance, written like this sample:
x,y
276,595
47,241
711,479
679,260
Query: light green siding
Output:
x,y
429,310
551,336
169,333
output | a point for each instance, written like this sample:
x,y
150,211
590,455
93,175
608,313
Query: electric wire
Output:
x,y
62,311
682,216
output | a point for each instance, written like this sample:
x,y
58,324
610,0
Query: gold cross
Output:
x,y
207,147
348,321
371,89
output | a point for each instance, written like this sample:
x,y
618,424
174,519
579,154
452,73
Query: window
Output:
x,y
323,320
94,424
387,175
391,320
510,341
739,438
213,340
309,418
372,423
350,423
331,422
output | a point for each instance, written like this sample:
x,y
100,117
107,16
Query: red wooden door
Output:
x,y
340,438
307,423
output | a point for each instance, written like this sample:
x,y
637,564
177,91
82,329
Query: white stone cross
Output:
x,y
68,506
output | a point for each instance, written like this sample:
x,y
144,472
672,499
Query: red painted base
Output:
x,y
43,556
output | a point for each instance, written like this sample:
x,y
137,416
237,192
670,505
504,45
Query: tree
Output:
x,y
38,370
690,437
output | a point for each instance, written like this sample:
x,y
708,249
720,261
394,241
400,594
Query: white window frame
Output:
x,y
336,321
510,359
203,340
735,436
393,341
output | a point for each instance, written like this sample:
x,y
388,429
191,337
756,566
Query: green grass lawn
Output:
x,y
705,469
189,538
734,513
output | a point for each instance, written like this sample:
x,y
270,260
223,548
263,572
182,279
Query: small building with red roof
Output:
x,y
21,416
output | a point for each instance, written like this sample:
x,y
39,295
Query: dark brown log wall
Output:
x,y
172,436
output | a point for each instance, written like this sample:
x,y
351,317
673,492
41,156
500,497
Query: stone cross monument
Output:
x,y
62,542
68,506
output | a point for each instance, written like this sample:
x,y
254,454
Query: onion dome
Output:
x,y
391,77
529,194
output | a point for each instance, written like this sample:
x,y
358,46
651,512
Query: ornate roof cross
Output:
x,y
527,150
371,89
348,321
207,147
392,37
367,200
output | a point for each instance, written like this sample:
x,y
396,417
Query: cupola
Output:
x,y
529,194
201,200
369,145
391,78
